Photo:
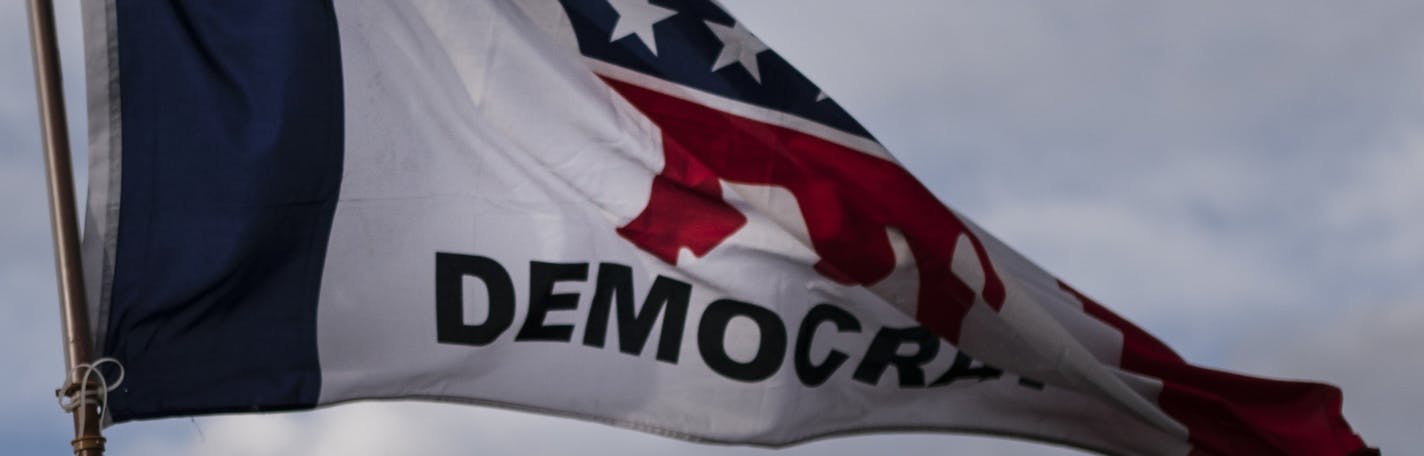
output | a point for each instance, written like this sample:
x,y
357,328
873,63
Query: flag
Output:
x,y
625,211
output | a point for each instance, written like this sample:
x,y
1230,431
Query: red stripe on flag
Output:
x,y
847,198
1231,414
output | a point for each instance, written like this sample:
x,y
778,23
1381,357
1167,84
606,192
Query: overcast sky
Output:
x,y
1245,181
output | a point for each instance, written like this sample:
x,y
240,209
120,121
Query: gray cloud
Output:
x,y
1371,352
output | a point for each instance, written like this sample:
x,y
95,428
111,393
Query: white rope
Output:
x,y
83,397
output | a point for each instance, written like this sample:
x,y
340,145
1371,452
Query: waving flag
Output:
x,y
626,211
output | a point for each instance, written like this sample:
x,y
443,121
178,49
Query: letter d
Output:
x,y
450,326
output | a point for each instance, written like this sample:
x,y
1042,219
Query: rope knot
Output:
x,y
92,387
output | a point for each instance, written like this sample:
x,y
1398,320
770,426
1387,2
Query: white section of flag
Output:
x,y
505,145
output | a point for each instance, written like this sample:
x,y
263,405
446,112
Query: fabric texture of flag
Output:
x,y
627,211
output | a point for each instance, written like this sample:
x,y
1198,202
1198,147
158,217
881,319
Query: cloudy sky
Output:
x,y
1242,180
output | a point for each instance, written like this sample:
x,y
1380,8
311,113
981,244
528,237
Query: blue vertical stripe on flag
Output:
x,y
231,167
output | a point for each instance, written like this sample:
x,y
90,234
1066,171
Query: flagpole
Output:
x,y
88,440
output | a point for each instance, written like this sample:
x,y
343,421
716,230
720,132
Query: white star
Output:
x,y
636,17
738,45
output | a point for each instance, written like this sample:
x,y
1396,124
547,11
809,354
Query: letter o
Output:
x,y
712,334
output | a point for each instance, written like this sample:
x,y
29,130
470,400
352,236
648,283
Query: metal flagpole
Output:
x,y
78,351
